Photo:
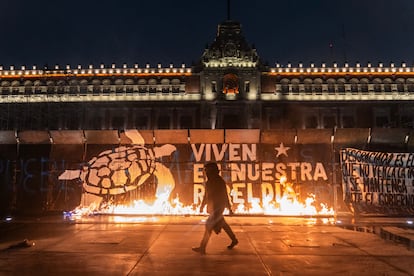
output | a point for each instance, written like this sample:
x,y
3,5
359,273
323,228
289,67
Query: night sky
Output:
x,y
126,31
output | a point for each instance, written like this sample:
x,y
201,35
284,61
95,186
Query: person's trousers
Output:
x,y
220,224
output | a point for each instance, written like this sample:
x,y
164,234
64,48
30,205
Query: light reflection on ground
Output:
x,y
200,219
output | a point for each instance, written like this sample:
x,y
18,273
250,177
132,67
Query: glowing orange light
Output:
x,y
287,205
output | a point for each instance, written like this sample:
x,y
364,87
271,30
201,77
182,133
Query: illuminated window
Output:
x,y
247,86
230,84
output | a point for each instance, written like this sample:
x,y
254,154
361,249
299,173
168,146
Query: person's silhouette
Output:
x,y
216,199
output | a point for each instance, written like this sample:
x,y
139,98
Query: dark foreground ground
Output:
x,y
109,245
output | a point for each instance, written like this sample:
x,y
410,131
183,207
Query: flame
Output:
x,y
287,205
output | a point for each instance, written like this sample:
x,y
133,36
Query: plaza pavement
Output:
x,y
151,245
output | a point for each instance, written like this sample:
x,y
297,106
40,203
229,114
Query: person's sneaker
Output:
x,y
200,250
233,244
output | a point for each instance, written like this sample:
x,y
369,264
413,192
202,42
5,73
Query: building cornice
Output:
x,y
102,71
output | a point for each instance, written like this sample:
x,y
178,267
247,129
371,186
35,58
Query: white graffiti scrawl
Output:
x,y
125,168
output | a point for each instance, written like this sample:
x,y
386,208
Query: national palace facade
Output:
x,y
259,122
229,88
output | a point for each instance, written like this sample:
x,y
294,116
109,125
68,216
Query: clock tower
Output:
x,y
230,71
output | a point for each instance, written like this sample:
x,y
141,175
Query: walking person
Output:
x,y
216,199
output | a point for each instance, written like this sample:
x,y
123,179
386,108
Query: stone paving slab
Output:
x,y
398,234
162,246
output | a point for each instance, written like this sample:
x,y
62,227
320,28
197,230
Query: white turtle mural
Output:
x,y
123,169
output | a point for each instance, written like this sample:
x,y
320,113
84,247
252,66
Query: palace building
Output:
x,y
229,88
133,131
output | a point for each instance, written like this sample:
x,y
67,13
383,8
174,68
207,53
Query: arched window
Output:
x,y
96,86
60,88
28,87
38,86
317,85
142,86
331,86
387,85
129,85
119,86
73,86
106,83
15,86
410,85
165,83
354,85
400,84
175,85
152,85
295,85
340,84
5,87
50,86
308,86
83,87
364,85
284,85
377,85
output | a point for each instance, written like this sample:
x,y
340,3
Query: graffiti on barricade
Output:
x,y
378,181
